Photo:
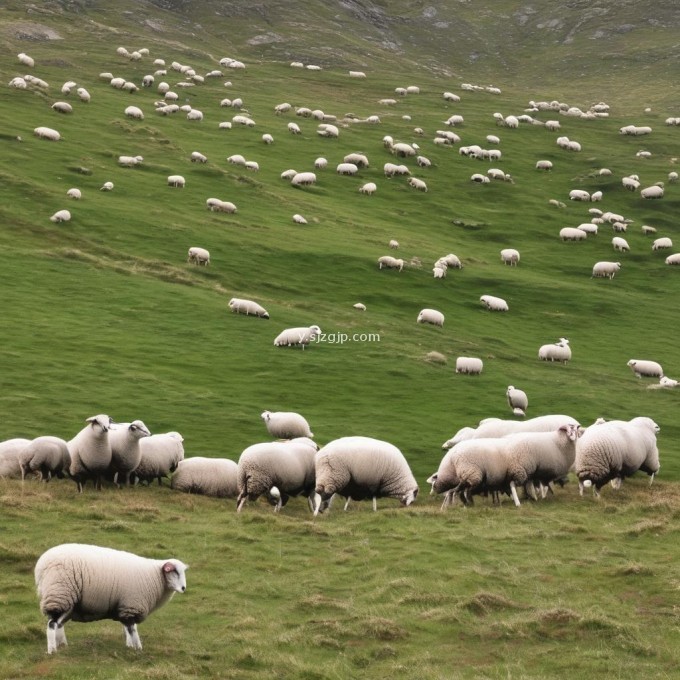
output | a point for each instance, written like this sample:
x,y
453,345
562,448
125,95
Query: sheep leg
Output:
x,y
132,636
55,632
241,502
349,498
513,492
375,503
531,490
651,480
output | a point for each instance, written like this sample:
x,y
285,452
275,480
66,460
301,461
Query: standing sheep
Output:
x,y
558,351
431,316
643,367
198,256
469,365
363,467
517,400
299,336
605,269
248,307
89,583
46,455
126,452
90,452
286,424
215,477
10,450
510,256
389,262
134,112
494,304
161,453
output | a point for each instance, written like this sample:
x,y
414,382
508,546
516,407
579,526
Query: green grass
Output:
x,y
103,315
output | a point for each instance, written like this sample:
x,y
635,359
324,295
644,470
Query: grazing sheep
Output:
x,y
328,130
62,107
389,262
248,307
134,112
126,452
654,191
416,183
661,243
605,269
347,169
431,316
215,477
10,450
299,219
198,157
303,179
176,181
579,195
199,256
286,424
369,188
252,165
394,244
544,165
572,234
673,259
90,452
294,128
320,163
510,256
61,216
107,186
517,400
278,469
130,161
89,583
360,306
267,138
47,133
361,468
46,455
469,365
439,272
494,304
297,337
620,244
588,228
646,368
218,205
558,351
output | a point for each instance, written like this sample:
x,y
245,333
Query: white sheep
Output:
x,y
517,400
90,452
394,244
369,188
195,114
661,243
25,59
161,453
297,337
389,262
299,219
286,424
655,191
10,451
417,184
107,186
360,306
303,179
558,351
588,227
294,128
646,368
493,303
126,452
572,234
579,195
328,130
176,181
130,161
321,163
469,365
89,583
253,166
431,316
47,133
46,455
278,469
199,256
673,259
134,112
248,307
605,269
620,244
215,477
439,272
62,107
74,193
218,205
198,157
18,83
61,216
267,138
510,256
361,468
347,169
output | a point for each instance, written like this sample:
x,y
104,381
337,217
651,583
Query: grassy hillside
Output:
x,y
103,315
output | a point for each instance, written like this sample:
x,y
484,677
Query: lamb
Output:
x,y
610,451
360,468
297,337
134,112
278,469
126,452
90,583
517,400
510,256
605,269
47,456
431,316
61,216
643,367
661,243
286,424
558,351
389,262
90,452
248,307
217,477
161,454
494,304
47,133
199,256
620,244
10,450
176,181
469,365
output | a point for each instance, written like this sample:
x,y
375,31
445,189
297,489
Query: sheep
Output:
x,y
389,262
303,179
61,216
369,188
558,351
161,453
130,161
630,183
254,166
248,307
661,243
394,244
510,256
134,112
588,228
417,184
126,452
665,381
402,150
439,272
579,195
619,226
176,181
451,260
89,583
47,133
469,365
107,186
673,176
610,451
494,304
299,219
431,316
199,256
479,178
45,455
620,244
288,174
299,336
278,469
423,162
596,196
347,169
215,477
673,259
236,159
195,114
90,452
320,163
25,59
646,368
358,159
605,269
654,191
360,306
572,234
267,138
10,451
62,107
517,400
450,97
198,157
360,468
294,128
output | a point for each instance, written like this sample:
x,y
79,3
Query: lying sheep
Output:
x,y
643,367
361,468
47,456
469,365
431,316
297,337
90,452
215,477
279,469
88,583
161,454
494,304
248,307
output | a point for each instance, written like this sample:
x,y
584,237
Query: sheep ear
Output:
x,y
169,567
